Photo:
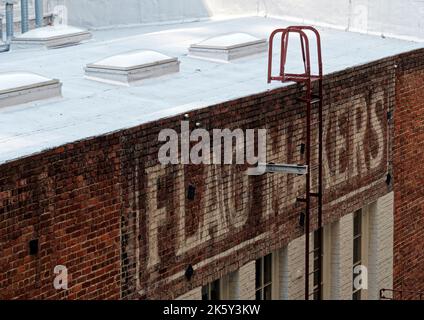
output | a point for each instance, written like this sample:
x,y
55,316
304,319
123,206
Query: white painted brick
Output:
x,y
335,261
296,269
380,270
234,285
342,258
284,274
247,277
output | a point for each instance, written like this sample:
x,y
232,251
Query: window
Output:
x,y
225,288
317,267
212,291
357,250
264,277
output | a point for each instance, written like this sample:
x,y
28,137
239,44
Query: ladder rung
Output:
x,y
312,194
295,78
314,123
277,78
314,167
301,77
316,98
313,101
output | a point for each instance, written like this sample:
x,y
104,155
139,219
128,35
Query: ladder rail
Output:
x,y
270,51
284,48
284,41
306,78
319,49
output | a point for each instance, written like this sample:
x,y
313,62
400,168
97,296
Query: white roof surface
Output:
x,y
12,80
50,32
133,59
90,108
228,40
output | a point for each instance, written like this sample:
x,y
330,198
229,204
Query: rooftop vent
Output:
x,y
52,37
130,67
22,87
228,47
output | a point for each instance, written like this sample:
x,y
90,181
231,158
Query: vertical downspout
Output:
x,y
39,13
3,47
24,16
6,46
9,21
1,28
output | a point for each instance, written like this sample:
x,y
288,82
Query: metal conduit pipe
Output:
x,y
1,28
39,14
9,20
3,46
24,16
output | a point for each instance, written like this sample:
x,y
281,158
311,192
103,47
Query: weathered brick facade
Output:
x,y
409,174
69,199
235,218
122,223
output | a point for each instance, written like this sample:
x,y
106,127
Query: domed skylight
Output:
x,y
52,36
228,47
22,87
133,66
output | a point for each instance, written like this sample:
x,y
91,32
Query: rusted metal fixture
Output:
x,y
306,78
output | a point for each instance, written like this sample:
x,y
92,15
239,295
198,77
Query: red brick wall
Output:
x,y
68,198
409,174
121,222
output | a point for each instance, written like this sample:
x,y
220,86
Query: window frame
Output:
x,y
276,275
224,286
363,235
317,266
209,290
262,284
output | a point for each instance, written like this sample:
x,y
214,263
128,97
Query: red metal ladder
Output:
x,y
310,99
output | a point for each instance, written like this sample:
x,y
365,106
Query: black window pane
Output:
x,y
205,293
356,295
317,277
357,250
317,240
316,295
316,263
268,292
267,269
215,294
357,247
258,295
258,273
357,223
